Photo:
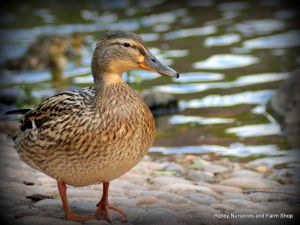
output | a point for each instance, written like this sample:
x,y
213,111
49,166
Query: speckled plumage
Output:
x,y
85,136
93,135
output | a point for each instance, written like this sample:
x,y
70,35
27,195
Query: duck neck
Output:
x,y
106,79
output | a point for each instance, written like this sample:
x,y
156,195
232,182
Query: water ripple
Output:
x,y
226,61
248,97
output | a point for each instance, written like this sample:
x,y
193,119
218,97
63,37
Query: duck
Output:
x,y
95,134
49,52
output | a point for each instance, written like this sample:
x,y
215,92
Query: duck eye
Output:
x,y
126,44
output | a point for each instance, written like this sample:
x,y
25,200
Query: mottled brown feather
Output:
x,y
85,136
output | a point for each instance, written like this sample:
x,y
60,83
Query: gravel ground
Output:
x,y
166,190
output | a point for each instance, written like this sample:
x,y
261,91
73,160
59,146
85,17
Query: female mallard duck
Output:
x,y
93,135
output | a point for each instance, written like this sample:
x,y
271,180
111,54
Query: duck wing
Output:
x,y
64,103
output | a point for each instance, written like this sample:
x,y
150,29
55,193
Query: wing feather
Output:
x,y
64,103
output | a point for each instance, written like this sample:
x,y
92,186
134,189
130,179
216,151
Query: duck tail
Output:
x,y
17,111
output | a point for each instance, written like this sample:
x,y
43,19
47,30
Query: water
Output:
x,y
231,56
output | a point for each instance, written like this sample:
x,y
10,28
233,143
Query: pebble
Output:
x,y
154,216
37,220
201,198
248,183
166,180
133,213
216,169
48,203
235,195
224,188
169,223
200,176
246,173
185,195
199,215
174,167
183,189
278,207
97,222
268,197
222,207
241,203
172,198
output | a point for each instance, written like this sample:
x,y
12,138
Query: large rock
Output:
x,y
249,183
156,215
285,107
160,103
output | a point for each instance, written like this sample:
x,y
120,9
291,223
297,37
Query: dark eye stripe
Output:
x,y
140,49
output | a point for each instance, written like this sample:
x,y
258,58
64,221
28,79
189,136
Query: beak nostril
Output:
x,y
153,60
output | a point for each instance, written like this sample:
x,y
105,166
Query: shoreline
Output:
x,y
177,190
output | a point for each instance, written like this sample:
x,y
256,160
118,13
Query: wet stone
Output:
x,y
222,207
224,188
240,203
200,176
246,173
268,197
133,212
248,183
96,222
154,216
174,167
216,169
201,198
235,195
169,223
48,203
167,180
37,220
183,189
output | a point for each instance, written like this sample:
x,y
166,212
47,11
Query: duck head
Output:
x,y
118,52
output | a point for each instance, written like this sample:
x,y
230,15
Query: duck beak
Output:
x,y
151,63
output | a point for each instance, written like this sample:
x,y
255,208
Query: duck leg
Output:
x,y
69,215
103,207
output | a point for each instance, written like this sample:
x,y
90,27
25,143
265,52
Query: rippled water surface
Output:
x,y
231,56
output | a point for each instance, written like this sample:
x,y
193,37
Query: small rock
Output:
x,y
47,203
246,173
167,197
117,222
278,207
155,215
38,220
82,206
240,203
96,222
169,223
200,176
263,169
224,188
248,183
200,215
147,200
201,198
223,207
123,201
183,189
268,197
216,169
38,197
133,213
166,180
235,195
174,167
